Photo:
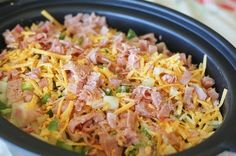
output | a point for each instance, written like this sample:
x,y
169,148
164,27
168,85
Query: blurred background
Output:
x,y
220,15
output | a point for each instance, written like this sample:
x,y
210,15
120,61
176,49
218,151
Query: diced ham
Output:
x,y
188,94
168,78
99,117
109,145
146,110
34,73
22,116
133,61
79,120
165,110
185,78
90,90
79,105
207,82
131,136
96,57
114,67
142,92
131,120
43,83
152,48
150,37
104,30
143,45
27,95
156,98
211,92
200,92
114,82
13,35
112,119
14,92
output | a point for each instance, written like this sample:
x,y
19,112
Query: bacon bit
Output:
x,y
211,92
14,92
207,82
169,78
188,97
200,92
111,119
185,78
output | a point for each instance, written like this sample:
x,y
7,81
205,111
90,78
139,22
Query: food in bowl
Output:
x,y
92,89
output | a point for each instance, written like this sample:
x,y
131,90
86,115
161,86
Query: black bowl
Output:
x,y
181,33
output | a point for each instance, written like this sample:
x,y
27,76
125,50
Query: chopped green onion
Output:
x,y
123,89
53,125
45,98
50,113
26,86
145,132
5,111
62,36
131,151
2,105
63,145
131,34
108,91
81,149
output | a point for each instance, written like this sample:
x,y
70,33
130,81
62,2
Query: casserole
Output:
x,y
179,32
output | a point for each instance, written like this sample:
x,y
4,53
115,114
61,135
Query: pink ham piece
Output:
x,y
200,92
14,92
112,119
188,94
207,82
109,145
150,37
165,110
96,57
142,92
211,92
169,78
156,98
185,78
34,73
114,82
133,61
146,110
13,35
79,120
43,83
